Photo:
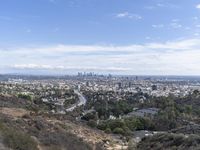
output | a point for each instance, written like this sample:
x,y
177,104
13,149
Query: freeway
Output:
x,y
82,101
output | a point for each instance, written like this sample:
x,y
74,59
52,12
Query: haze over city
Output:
x,y
142,37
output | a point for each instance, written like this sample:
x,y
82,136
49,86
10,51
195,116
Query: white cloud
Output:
x,y
195,18
162,5
128,15
187,28
198,6
157,25
175,20
148,38
176,45
172,57
175,25
196,34
50,67
35,66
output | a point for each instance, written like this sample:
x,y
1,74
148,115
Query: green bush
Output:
x,y
17,140
116,123
102,126
170,141
108,130
127,131
128,125
24,96
92,123
118,131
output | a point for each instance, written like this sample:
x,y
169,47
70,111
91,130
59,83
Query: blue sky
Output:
x,y
142,37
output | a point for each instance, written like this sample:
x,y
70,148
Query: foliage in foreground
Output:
x,y
125,126
17,140
169,141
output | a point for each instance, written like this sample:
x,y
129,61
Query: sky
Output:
x,y
126,37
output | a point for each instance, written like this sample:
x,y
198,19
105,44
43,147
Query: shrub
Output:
x,y
127,131
108,130
92,123
18,140
102,126
24,96
116,124
118,131
170,141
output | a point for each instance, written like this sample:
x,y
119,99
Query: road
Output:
x,y
82,101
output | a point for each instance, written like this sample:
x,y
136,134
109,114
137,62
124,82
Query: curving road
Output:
x,y
82,101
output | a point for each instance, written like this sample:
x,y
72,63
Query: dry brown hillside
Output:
x,y
20,127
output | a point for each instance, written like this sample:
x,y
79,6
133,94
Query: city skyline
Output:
x,y
153,37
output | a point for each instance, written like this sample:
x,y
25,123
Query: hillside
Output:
x,y
22,128
169,141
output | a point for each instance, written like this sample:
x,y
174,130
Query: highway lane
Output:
x,y
82,101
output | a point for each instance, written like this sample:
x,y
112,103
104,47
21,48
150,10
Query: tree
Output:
x,y
118,131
